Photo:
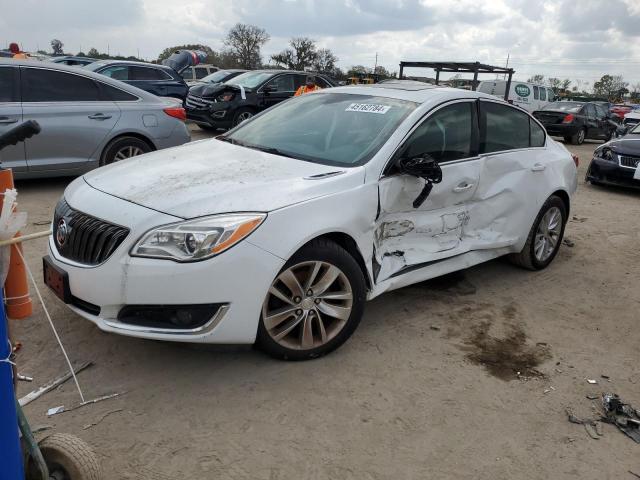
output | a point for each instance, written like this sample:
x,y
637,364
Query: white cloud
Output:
x,y
561,38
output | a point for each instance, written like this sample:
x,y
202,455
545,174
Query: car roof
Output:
x,y
131,62
84,72
412,92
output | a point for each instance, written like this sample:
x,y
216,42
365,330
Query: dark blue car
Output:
x,y
160,80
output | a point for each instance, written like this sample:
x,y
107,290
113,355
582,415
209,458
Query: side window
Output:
x,y
146,73
201,72
8,85
552,96
591,111
282,83
298,81
117,72
601,111
41,85
536,94
502,128
444,135
543,94
116,94
537,134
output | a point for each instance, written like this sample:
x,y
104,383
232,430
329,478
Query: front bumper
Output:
x,y
611,173
218,115
237,279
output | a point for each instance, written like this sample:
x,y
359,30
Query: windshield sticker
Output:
x,y
368,108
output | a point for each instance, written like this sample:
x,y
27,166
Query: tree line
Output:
x,y
612,87
242,48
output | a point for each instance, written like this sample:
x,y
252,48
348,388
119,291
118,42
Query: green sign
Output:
x,y
523,90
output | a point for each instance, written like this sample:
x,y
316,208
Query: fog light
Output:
x,y
178,317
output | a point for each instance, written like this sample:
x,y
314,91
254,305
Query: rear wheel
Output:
x,y
579,136
314,304
123,148
544,237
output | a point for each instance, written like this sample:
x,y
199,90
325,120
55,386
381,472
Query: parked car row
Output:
x,y
577,121
87,120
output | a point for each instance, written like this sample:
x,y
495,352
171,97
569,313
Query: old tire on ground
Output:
x,y
122,148
579,136
545,237
70,458
241,115
314,305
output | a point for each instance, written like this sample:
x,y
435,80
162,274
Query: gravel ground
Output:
x,y
412,395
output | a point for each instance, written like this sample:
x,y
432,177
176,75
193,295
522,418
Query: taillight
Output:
x,y
176,112
576,160
568,118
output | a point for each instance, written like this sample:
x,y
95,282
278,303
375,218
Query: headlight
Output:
x,y
197,239
607,154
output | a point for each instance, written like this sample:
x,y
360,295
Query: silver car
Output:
x,y
87,120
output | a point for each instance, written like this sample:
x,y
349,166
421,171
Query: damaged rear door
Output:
x,y
407,238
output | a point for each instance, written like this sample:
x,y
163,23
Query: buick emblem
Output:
x,y
62,232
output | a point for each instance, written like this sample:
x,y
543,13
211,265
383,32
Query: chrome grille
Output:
x,y
631,162
83,238
194,101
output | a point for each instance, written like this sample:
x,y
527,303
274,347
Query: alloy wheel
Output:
x,y
307,305
127,152
548,234
581,136
244,116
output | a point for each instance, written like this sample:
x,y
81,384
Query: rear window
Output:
x,y
146,73
40,85
503,128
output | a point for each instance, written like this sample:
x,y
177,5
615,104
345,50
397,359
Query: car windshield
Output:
x,y
215,77
565,106
329,128
94,66
250,79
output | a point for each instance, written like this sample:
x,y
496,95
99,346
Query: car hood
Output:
x,y
207,90
629,144
209,177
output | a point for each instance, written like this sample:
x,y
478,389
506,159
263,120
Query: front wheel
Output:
x,y
69,458
241,115
313,305
545,236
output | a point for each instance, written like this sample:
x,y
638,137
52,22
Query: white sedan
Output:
x,y
279,231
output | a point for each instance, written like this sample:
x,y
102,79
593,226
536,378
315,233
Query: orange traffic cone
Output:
x,y
16,289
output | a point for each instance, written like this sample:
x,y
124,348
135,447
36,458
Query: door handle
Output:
x,y
538,167
99,116
463,187
8,120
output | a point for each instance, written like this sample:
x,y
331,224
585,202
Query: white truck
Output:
x,y
528,96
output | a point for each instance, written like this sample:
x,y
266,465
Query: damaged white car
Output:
x,y
279,231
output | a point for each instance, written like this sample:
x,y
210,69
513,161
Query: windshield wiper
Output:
x,y
271,150
224,138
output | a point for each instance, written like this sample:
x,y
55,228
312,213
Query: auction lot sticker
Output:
x,y
368,108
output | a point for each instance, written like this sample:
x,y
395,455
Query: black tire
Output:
x,y
207,128
241,115
527,258
111,151
567,139
579,137
72,458
321,250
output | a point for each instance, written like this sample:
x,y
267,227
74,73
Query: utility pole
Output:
x,y
507,65
376,65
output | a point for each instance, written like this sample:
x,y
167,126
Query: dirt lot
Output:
x,y
408,397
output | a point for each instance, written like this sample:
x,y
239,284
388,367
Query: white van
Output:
x,y
529,96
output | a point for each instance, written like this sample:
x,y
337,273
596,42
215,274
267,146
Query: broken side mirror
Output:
x,y
424,167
